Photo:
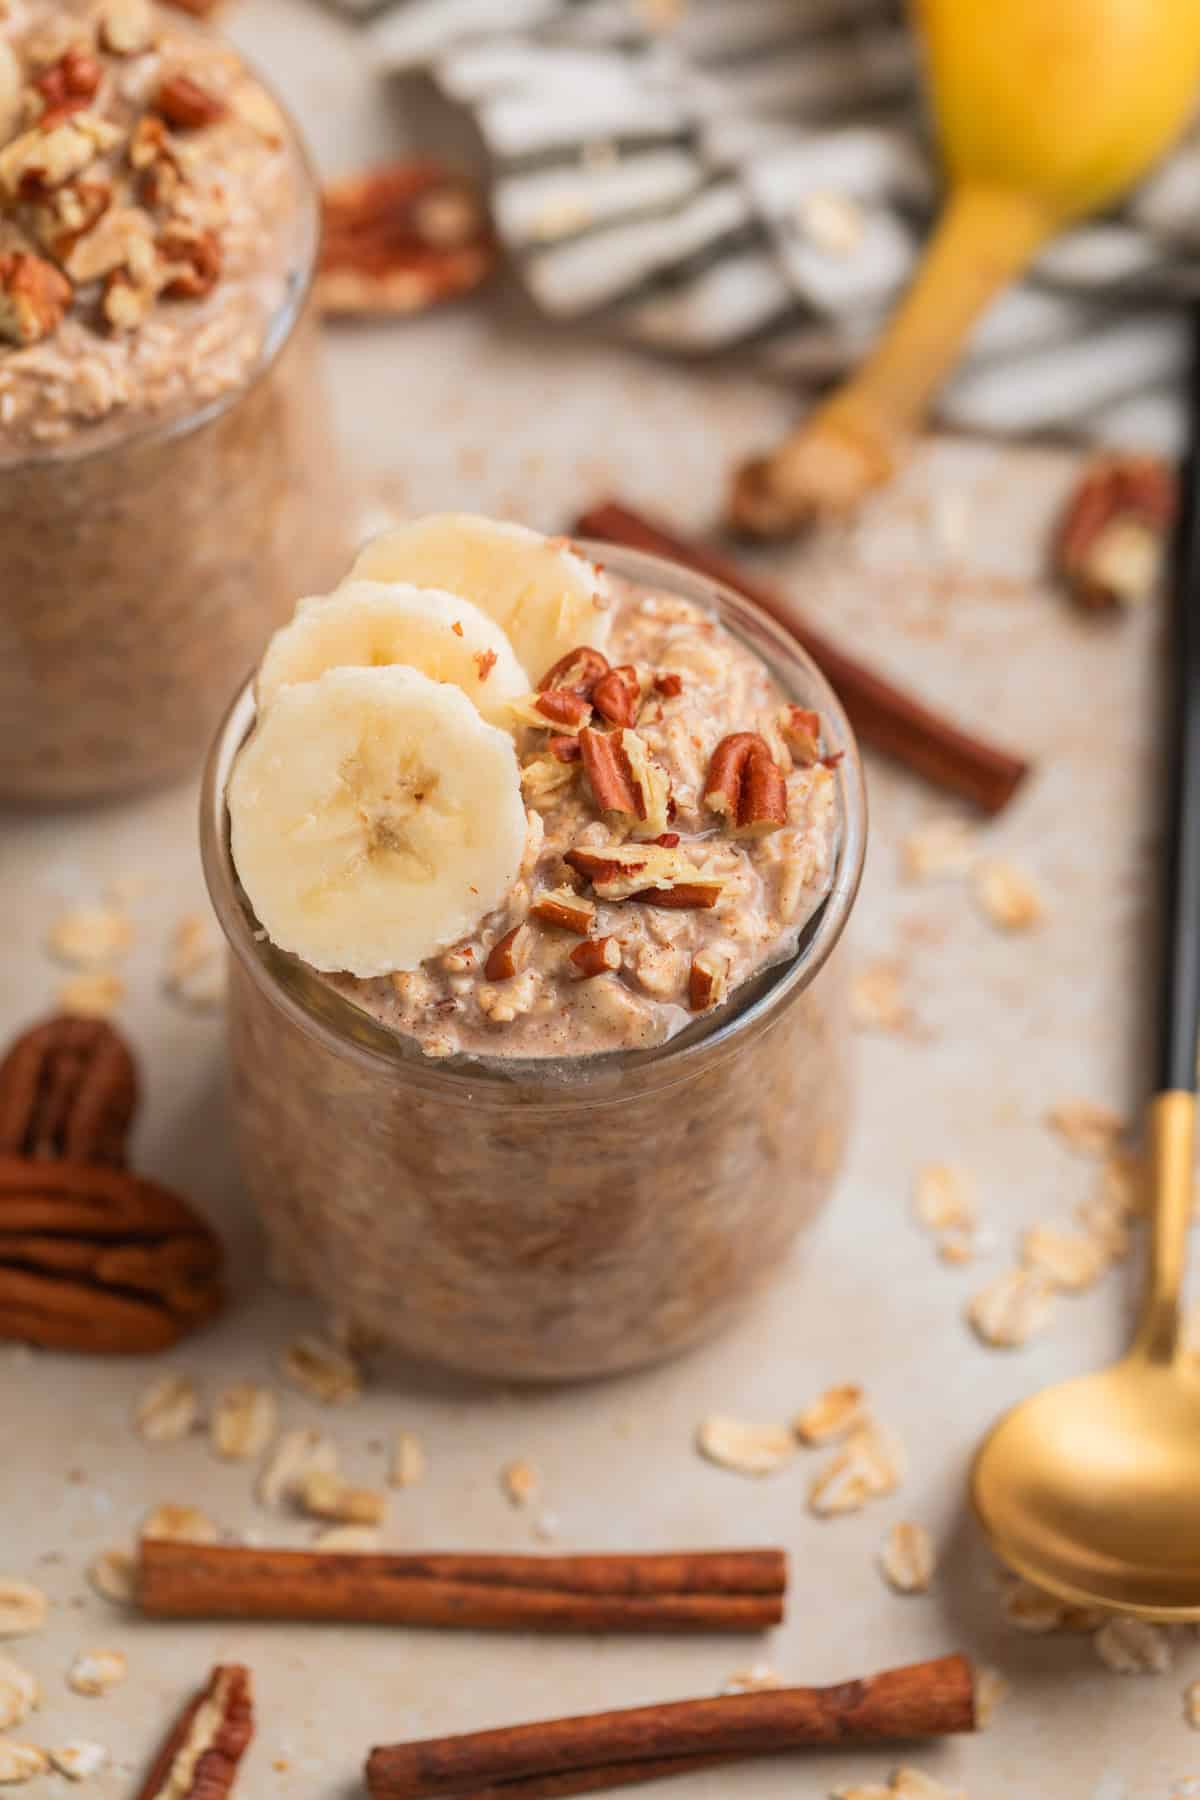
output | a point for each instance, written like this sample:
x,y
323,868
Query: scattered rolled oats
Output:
x,y
298,1454
244,1421
23,1607
1012,1308
347,1537
20,1762
326,1496
871,1790
1087,1127
914,1784
944,1197
407,1463
88,935
1007,897
908,1558
877,997
167,1410
520,1482
1072,1260
1191,1704
18,1693
748,1449
1133,1647
831,1415
957,1247
939,849
195,969
322,1370
78,1760
92,996
97,1671
1033,1610
990,1690
759,1678
840,1487
181,1524
114,1574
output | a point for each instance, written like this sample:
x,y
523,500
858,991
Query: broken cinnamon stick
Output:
x,y
712,1590
884,716
613,1749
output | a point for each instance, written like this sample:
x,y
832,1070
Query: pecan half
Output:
x,y
68,1087
508,955
556,707
596,956
199,1759
800,730
67,86
1111,539
617,695
649,872
610,777
34,297
745,785
193,260
98,1259
578,672
185,104
565,908
401,238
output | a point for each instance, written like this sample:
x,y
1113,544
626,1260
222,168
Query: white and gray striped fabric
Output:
x,y
756,175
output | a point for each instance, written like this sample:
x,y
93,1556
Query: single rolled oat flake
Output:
x,y
18,1693
78,1760
831,1415
347,1537
168,1409
327,1496
244,1421
941,849
1087,1127
1071,1260
322,1370
1133,1647
90,935
298,1453
407,1463
23,1607
20,1762
97,1671
1032,1610
759,1678
908,1558
114,1574
1007,897
520,1482
748,1449
91,996
877,997
180,1524
944,1197
1011,1309
991,1689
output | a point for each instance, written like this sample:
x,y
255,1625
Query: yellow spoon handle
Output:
x,y
1171,1124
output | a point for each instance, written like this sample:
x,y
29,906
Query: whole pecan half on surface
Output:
x,y
401,238
68,1087
745,786
199,1759
98,1259
1112,535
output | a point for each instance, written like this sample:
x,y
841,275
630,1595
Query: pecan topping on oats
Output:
x,y
33,297
193,262
564,907
564,749
125,302
186,104
67,86
610,777
646,872
68,213
800,730
745,786
156,158
595,956
617,695
708,980
557,707
41,159
669,686
577,672
508,955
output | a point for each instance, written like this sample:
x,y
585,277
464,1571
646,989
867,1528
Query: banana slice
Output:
x,y
374,819
367,624
545,596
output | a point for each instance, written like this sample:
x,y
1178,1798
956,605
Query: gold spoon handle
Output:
x,y
1170,1126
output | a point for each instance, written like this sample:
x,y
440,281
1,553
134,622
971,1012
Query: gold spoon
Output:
x,y
1092,1489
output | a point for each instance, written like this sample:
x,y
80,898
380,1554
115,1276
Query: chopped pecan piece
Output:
x,y
745,785
708,980
485,662
186,105
669,686
68,213
629,787
596,956
42,159
193,262
68,1087
508,955
125,302
646,872
557,708
617,695
564,907
401,238
155,156
577,672
67,86
34,297
564,749
800,730
1112,536
98,1259
199,1760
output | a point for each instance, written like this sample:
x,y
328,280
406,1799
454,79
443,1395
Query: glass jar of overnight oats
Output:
x,y
166,479
557,1174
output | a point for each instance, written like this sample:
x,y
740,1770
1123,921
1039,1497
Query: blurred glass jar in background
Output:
x,y
167,481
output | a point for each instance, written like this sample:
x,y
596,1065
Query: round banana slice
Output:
x,y
374,819
369,625
546,597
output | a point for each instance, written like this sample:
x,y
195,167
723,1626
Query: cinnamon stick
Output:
x,y
578,1755
710,1590
884,716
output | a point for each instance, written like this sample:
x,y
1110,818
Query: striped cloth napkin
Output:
x,y
757,176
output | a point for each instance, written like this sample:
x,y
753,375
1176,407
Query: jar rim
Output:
x,y
668,1063
280,325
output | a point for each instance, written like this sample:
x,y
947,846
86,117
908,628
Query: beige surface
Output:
x,y
474,411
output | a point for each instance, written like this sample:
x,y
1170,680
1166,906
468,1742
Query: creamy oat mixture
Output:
x,y
660,964
153,219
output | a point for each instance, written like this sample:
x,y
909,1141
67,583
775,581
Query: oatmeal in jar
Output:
x,y
164,484
531,868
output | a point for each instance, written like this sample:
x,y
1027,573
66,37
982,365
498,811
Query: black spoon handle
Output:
x,y
1179,994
